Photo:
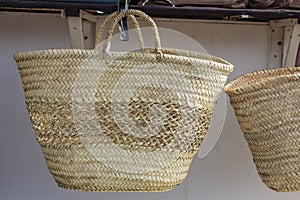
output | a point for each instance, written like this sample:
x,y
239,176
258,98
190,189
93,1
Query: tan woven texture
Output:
x,y
270,4
120,121
267,105
295,4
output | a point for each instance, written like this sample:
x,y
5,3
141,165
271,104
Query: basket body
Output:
x,y
92,114
267,106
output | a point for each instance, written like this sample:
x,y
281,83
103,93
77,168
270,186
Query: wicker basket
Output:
x,y
267,105
120,121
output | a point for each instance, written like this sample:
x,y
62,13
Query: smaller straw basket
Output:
x,y
267,105
120,121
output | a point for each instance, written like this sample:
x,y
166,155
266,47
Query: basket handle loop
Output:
x,y
145,17
110,18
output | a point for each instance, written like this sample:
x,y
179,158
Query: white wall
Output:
x,y
226,173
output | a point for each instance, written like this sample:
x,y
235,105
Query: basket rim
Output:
x,y
258,79
168,53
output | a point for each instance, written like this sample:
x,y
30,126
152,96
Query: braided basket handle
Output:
x,y
119,16
110,18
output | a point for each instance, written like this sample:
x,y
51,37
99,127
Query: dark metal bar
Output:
x,y
108,8
160,11
210,12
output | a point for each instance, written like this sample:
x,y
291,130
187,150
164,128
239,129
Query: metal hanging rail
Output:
x,y
190,12
284,27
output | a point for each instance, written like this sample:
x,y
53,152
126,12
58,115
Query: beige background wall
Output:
x,y
226,173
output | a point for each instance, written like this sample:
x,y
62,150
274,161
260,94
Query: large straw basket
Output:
x,y
120,121
267,105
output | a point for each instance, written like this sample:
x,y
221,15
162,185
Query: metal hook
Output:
x,y
167,1
123,24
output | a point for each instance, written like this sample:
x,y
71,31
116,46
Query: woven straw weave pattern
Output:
x,y
267,105
89,145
